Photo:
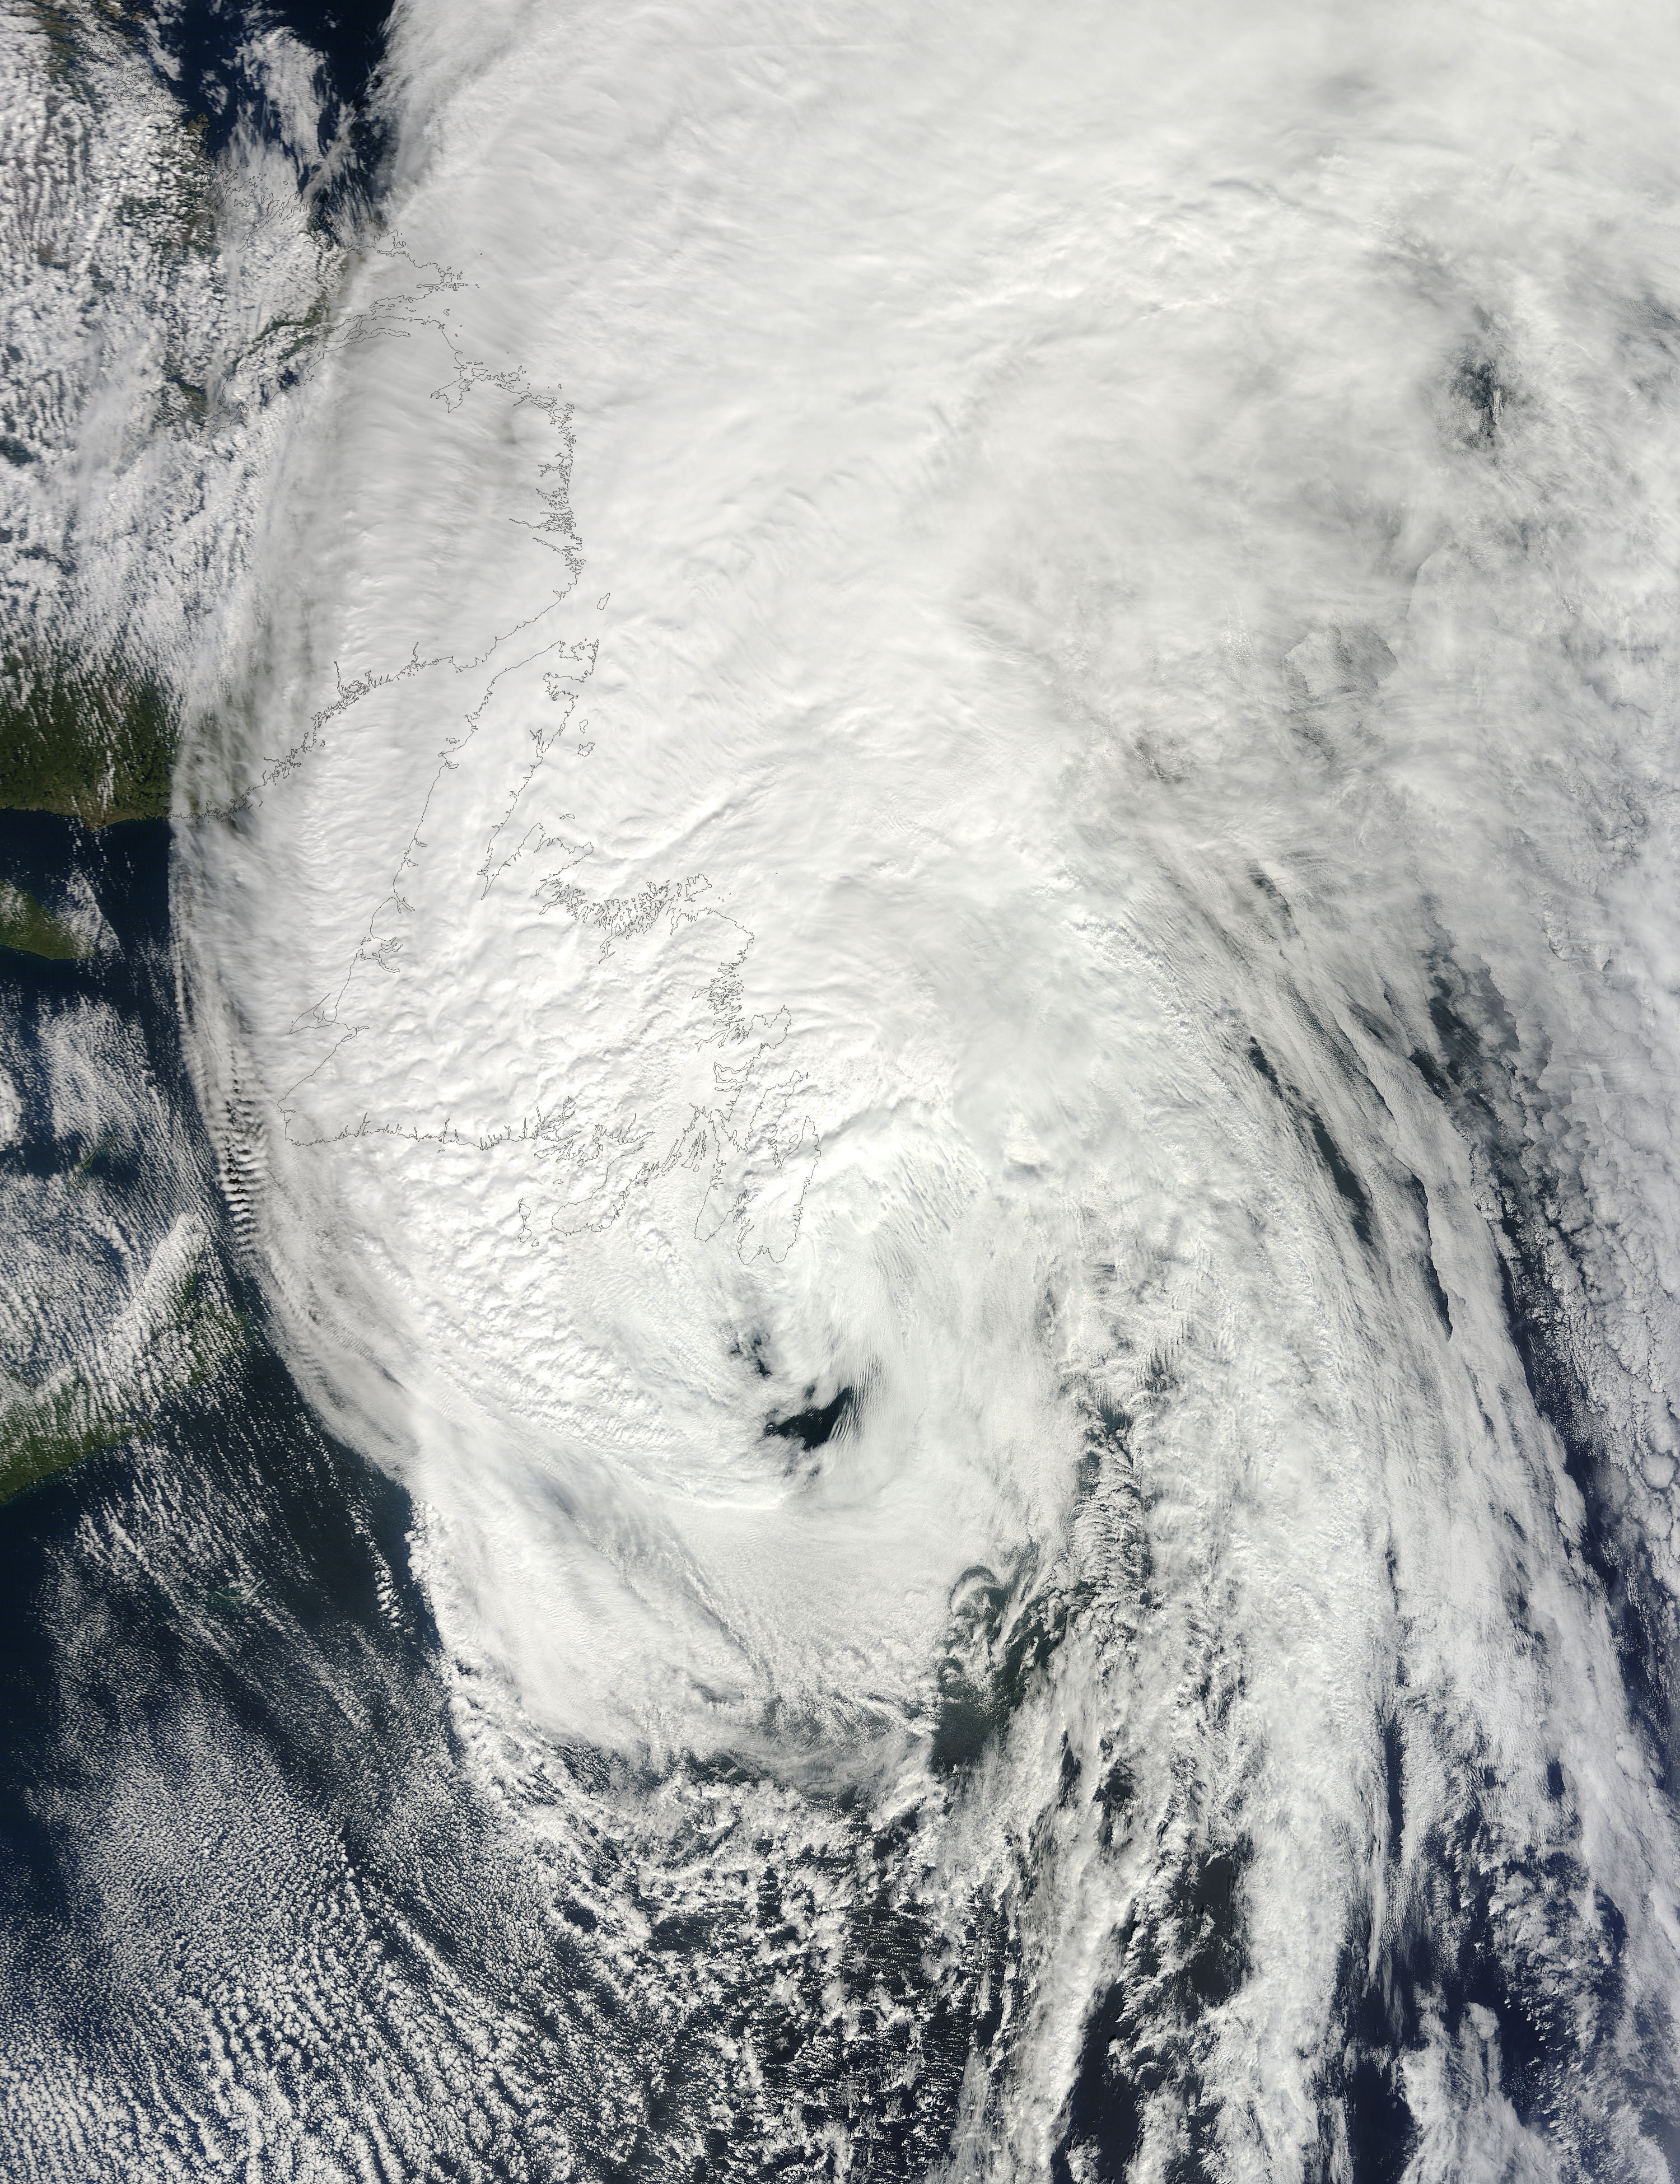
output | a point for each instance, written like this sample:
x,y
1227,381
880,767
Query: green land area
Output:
x,y
28,926
59,1430
96,748
49,1429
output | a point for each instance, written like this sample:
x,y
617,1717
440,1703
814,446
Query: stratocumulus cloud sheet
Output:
x,y
927,927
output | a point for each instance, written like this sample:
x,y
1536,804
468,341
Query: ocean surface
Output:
x,y
839,1234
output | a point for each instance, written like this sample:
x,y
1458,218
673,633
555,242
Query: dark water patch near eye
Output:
x,y
814,1429
966,1724
753,1350
1482,396
1478,388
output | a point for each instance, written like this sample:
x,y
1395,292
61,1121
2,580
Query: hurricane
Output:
x,y
843,991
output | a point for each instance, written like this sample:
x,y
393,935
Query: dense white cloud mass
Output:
x,y
966,746
157,303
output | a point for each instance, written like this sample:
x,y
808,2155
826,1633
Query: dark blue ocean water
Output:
x,y
233,1495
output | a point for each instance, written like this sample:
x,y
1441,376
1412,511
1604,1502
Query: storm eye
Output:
x,y
813,1428
752,1350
